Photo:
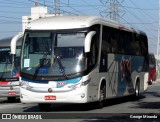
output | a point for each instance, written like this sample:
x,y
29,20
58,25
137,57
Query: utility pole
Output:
x,y
158,43
44,2
57,7
113,9
36,3
158,46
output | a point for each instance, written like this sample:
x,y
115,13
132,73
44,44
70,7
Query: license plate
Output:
x,y
50,97
11,93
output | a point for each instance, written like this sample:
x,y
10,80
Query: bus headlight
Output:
x,y
25,85
84,83
78,85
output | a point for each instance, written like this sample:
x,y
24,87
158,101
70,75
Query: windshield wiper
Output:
x,y
61,67
43,61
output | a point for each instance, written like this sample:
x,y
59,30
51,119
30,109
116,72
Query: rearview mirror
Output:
x,y
87,41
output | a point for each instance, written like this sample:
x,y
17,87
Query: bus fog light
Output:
x,y
82,95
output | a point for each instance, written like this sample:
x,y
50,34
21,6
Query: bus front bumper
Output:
x,y
75,96
9,91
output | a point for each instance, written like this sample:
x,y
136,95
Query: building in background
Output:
x,y
36,13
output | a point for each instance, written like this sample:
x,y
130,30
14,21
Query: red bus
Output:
x,y
152,69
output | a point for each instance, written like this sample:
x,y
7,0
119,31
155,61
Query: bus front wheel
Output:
x,y
102,96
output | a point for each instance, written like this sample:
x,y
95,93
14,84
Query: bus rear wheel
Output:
x,y
137,90
44,106
102,97
150,82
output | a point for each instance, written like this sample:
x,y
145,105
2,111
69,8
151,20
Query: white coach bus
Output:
x,y
10,66
81,59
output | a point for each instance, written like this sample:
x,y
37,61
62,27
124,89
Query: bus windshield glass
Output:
x,y
53,54
5,62
16,65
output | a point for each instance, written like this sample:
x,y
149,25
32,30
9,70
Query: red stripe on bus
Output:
x,y
3,83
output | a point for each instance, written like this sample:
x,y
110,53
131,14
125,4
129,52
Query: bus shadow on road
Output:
x,y
82,107
125,99
149,104
155,94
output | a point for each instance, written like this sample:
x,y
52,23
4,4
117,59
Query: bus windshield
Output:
x,y
16,65
5,62
53,54
7,68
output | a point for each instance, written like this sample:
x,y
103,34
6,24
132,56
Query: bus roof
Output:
x,y
71,22
6,42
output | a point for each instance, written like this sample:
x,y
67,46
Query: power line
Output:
x,y
13,12
8,31
150,29
8,2
135,16
49,6
57,7
147,9
158,42
10,17
93,6
141,10
73,8
148,17
143,23
101,5
14,6
112,9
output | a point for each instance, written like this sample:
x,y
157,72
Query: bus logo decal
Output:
x,y
61,84
125,67
50,90
11,88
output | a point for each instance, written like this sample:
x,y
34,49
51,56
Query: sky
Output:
x,y
140,14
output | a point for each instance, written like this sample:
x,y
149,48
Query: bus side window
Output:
x,y
114,45
121,43
144,45
137,47
94,45
93,55
113,41
106,44
129,43
93,52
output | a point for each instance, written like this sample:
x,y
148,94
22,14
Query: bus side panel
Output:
x,y
112,76
122,73
93,85
144,82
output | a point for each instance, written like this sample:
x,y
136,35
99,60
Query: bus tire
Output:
x,y
11,99
102,97
44,106
137,90
150,82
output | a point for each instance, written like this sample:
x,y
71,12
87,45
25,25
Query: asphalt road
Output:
x,y
146,108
